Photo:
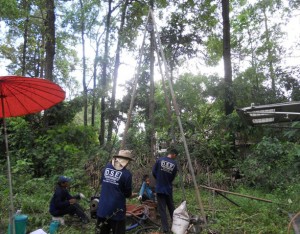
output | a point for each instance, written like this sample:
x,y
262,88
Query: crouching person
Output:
x,y
63,203
116,186
146,192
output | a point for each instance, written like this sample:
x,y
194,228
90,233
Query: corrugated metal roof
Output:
x,y
269,114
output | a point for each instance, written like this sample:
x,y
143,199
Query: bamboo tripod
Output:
x,y
161,56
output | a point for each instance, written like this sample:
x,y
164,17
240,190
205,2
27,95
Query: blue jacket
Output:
x,y
116,187
164,171
60,200
147,190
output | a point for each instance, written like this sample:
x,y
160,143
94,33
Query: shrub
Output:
x,y
272,164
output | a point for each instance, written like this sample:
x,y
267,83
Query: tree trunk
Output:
x,y
50,39
134,90
115,74
229,100
25,37
42,57
269,47
171,131
49,46
85,102
37,61
104,76
151,97
95,71
253,60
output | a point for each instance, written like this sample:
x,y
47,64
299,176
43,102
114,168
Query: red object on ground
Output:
x,y
136,210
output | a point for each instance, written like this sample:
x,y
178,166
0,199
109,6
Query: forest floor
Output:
x,y
247,216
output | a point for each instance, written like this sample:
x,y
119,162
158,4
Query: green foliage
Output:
x,y
39,153
293,133
214,50
63,146
9,9
177,40
269,161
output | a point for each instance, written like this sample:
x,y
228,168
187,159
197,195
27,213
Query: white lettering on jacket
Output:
x,y
167,166
112,176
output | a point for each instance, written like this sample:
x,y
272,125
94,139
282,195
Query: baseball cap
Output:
x,y
63,179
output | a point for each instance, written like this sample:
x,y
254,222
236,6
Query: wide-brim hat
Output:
x,y
127,154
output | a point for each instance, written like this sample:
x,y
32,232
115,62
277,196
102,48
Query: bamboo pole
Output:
x,y
167,100
236,194
198,197
9,177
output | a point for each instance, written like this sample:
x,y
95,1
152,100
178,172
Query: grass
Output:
x,y
251,216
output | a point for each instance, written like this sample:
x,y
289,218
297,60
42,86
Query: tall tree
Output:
x,y
82,16
113,111
104,78
151,126
95,76
259,39
269,49
50,39
26,6
271,35
229,99
85,94
49,47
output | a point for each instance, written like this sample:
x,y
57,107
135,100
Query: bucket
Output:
x,y
20,224
54,227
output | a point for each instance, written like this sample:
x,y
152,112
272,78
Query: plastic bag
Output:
x,y
180,219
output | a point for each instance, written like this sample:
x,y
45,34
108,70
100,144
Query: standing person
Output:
x,y
116,186
63,202
146,192
164,171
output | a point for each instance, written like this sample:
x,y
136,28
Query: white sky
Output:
x,y
127,69
293,35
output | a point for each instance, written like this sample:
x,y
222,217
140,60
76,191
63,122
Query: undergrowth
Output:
x,y
247,216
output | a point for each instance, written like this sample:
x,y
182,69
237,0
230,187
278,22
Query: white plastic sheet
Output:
x,y
39,231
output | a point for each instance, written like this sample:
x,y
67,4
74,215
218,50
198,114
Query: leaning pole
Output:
x,y
180,123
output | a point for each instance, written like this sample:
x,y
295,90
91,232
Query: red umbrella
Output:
x,y
21,96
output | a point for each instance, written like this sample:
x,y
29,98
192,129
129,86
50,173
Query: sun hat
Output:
x,y
63,179
127,154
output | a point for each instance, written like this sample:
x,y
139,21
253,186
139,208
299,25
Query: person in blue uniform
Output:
x,y
62,202
146,192
164,171
116,186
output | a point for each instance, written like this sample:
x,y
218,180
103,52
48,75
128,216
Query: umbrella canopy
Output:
x,y
21,95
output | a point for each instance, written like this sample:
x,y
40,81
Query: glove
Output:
x,y
140,197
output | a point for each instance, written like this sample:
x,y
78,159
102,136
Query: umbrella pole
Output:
x,y
11,210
